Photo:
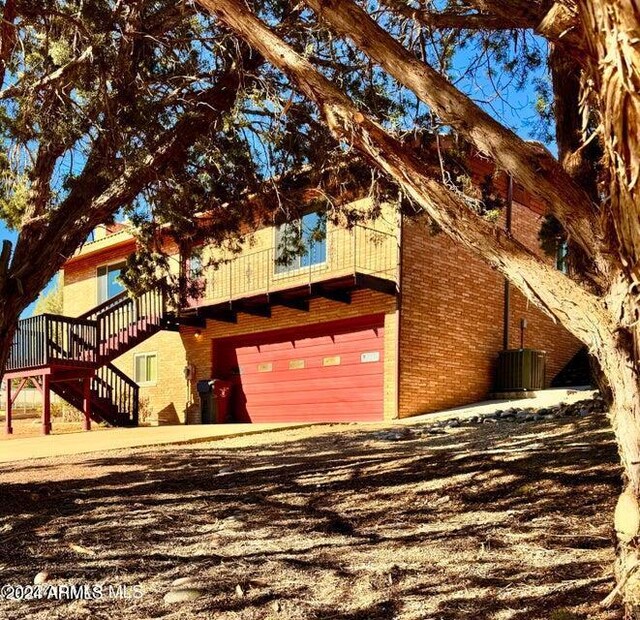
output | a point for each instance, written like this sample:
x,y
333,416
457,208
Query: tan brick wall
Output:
x,y
80,280
165,401
201,352
451,320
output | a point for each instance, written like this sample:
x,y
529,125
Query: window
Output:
x,y
302,243
562,252
196,270
108,284
145,368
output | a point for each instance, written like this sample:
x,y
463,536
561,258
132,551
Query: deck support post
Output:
x,y
86,403
8,413
46,404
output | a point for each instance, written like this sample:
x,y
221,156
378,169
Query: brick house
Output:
x,y
381,321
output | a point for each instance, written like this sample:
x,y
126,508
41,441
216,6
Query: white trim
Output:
x,y
146,354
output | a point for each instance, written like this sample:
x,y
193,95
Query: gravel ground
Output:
x,y
495,520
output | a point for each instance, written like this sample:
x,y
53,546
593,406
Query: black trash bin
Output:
x,y
214,400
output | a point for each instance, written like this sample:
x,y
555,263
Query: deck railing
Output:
x,y
120,390
105,306
48,338
344,252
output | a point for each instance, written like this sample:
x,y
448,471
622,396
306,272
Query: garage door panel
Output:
x,y
335,384
309,397
363,412
312,383
310,373
350,347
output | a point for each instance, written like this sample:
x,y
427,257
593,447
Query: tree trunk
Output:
x,y
9,316
618,362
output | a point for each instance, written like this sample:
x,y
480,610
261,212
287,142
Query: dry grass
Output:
x,y
31,426
498,522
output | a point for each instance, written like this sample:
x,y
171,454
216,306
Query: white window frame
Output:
x,y
562,253
119,261
135,366
293,271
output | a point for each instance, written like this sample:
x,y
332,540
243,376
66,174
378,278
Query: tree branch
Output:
x,y
94,198
535,168
558,23
460,19
540,282
7,36
18,90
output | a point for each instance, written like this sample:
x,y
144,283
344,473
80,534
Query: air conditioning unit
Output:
x,y
521,370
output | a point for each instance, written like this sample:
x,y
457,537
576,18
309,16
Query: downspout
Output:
x,y
399,307
507,284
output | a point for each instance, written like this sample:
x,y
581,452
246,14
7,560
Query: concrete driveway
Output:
x,y
23,449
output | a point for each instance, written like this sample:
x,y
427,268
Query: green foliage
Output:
x,y
50,302
551,235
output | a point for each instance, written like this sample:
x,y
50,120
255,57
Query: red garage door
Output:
x,y
329,373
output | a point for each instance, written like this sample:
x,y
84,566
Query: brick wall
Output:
x,y
166,400
201,351
80,281
451,320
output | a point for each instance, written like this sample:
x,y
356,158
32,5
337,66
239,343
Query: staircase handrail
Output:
x,y
105,305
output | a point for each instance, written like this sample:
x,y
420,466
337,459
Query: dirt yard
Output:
x,y
502,521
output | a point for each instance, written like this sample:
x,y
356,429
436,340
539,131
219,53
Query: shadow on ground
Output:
x,y
508,521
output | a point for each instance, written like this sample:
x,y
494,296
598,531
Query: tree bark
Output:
x,y
7,36
612,29
612,34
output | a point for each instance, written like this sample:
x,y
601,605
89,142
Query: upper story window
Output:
x,y
108,284
562,253
302,243
195,267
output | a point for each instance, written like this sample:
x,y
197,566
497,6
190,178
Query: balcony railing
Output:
x,y
47,338
360,250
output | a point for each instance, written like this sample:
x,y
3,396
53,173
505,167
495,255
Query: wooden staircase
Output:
x,y
69,350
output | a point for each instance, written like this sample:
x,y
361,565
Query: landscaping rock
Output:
x,y
399,434
512,415
41,577
435,430
182,596
183,581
